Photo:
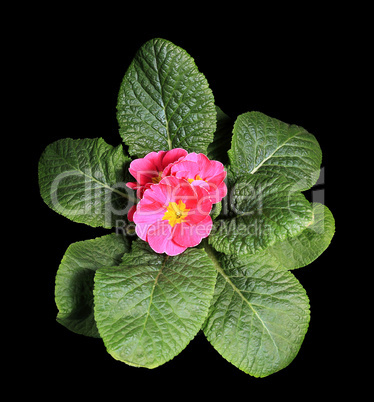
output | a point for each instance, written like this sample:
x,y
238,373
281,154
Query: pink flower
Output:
x,y
199,170
131,212
173,215
153,168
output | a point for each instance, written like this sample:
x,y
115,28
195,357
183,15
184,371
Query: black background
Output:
x,y
293,65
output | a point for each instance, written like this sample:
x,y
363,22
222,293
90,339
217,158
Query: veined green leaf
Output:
x,y
216,210
164,102
303,249
75,280
259,314
261,144
150,307
264,210
83,180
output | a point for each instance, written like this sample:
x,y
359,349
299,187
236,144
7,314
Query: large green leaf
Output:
x,y
303,249
259,314
75,280
149,308
264,210
266,145
164,102
83,180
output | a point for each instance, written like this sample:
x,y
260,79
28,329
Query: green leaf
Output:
x,y
150,307
164,102
83,180
261,144
303,249
217,150
259,314
216,210
75,280
264,210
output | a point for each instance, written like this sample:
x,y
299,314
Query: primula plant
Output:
x,y
208,220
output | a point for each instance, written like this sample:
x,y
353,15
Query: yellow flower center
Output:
x,y
157,179
196,178
175,213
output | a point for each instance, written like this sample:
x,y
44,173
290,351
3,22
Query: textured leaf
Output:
x,y
303,249
217,150
216,210
264,210
164,102
266,145
259,314
83,180
75,280
148,309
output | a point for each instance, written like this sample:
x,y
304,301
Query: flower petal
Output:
x,y
204,202
185,169
172,156
173,248
191,235
156,158
202,160
132,184
222,191
179,189
130,214
159,237
201,183
217,192
141,229
213,169
158,193
149,208
192,156
218,178
143,170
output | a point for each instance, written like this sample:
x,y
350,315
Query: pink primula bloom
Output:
x,y
199,170
131,212
153,168
173,215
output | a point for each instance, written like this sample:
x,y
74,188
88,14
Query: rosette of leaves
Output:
x,y
237,286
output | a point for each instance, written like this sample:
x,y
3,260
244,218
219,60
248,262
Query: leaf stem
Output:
x,y
213,256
